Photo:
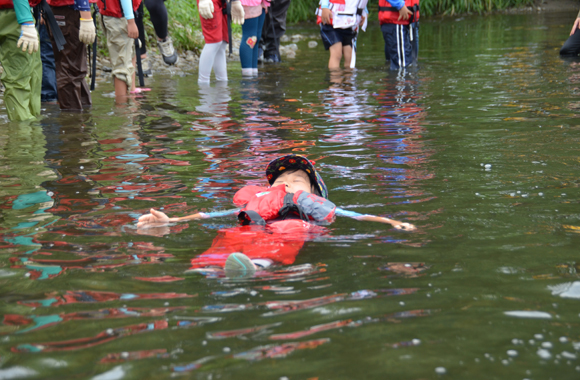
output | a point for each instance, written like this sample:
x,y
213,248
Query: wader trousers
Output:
x,y
274,27
71,62
22,74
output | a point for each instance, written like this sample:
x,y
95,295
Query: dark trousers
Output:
x,y
71,62
274,27
48,92
571,47
158,16
400,50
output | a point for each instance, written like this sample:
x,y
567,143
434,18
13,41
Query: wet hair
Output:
x,y
312,185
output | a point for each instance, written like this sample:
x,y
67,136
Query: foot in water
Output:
x,y
239,265
139,90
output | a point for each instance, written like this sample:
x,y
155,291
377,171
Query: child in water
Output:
x,y
339,22
276,220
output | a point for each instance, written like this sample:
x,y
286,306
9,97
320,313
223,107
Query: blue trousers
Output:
x,y
48,91
400,49
251,32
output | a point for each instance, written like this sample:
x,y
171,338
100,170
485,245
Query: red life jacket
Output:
x,y
60,3
390,15
263,204
7,4
113,7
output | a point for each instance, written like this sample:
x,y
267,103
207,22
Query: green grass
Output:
x,y
184,26
451,7
303,10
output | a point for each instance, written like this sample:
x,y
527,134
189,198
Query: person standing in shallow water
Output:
x,y
254,11
19,55
399,21
75,22
214,26
339,21
571,47
273,30
121,31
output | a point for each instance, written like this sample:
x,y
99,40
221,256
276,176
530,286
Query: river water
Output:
x,y
478,147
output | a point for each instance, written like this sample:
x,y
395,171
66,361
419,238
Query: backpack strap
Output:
x,y
53,25
250,217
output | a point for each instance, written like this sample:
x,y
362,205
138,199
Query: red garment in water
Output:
x,y
279,241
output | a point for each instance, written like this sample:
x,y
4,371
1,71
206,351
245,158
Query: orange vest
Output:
x,y
113,7
390,15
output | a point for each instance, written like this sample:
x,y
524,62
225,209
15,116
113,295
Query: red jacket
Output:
x,y
113,7
390,15
60,3
7,4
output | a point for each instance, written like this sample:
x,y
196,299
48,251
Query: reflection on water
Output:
x,y
477,148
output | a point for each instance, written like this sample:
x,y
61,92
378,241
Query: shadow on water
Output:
x,y
478,148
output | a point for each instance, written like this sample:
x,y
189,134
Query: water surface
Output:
x,y
478,147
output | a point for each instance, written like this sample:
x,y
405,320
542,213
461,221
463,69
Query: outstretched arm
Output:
x,y
373,218
157,218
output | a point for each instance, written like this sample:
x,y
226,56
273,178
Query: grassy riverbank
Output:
x,y
303,10
185,29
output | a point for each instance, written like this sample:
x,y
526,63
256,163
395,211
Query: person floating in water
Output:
x,y
275,220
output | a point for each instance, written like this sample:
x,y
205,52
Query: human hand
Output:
x,y
87,31
326,15
154,231
403,226
404,13
132,30
205,8
575,26
154,219
238,15
28,37
362,20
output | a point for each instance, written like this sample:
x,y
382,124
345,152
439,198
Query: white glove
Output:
x,y
205,8
87,32
28,38
238,15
